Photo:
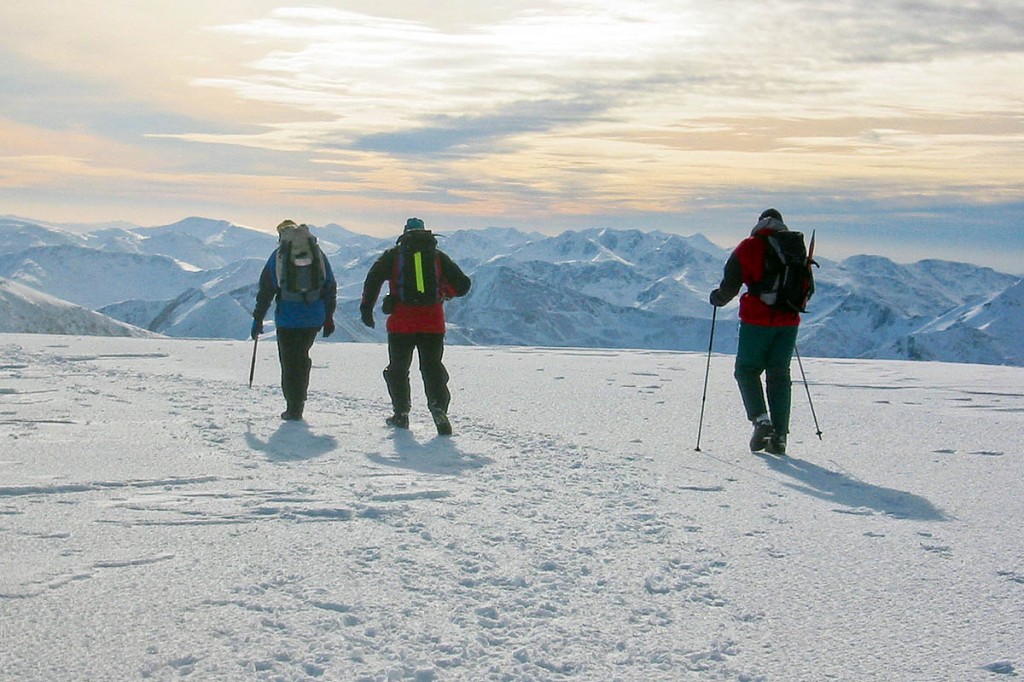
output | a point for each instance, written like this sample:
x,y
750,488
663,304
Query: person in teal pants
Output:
x,y
767,340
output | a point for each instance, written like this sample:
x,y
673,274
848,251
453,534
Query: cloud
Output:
x,y
473,134
542,109
57,100
920,31
364,75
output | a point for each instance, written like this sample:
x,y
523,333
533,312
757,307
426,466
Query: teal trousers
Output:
x,y
768,351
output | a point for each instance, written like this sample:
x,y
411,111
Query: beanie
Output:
x,y
285,225
770,213
413,224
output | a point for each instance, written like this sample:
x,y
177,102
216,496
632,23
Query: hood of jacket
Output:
x,y
767,226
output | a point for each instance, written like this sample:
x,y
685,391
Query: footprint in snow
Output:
x,y
1001,668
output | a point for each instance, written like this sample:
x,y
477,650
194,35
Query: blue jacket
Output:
x,y
295,314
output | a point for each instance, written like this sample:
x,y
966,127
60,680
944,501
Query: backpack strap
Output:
x,y
284,249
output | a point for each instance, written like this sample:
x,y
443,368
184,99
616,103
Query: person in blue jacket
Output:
x,y
299,278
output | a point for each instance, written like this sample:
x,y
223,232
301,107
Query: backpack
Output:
x,y
300,266
787,283
417,273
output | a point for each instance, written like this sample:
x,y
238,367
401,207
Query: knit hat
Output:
x,y
770,213
413,224
285,225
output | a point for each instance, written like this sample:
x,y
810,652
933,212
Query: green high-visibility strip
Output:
x,y
417,259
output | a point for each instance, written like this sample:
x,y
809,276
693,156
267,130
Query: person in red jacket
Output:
x,y
766,340
416,319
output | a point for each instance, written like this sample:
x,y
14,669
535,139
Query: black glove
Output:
x,y
328,327
257,328
366,313
716,299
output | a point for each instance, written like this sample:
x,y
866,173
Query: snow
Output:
x,y
158,521
23,309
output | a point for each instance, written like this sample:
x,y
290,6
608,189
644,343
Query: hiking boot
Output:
x,y
444,427
398,420
763,432
293,411
776,445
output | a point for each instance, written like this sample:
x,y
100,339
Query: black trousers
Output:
x,y
435,377
293,351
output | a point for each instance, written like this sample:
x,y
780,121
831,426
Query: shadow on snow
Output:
x,y
292,442
439,455
853,493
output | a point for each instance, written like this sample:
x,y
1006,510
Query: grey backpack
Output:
x,y
300,265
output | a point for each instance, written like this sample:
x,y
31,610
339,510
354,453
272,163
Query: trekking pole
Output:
x,y
808,389
707,372
252,367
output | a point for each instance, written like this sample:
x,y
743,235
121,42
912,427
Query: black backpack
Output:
x,y
788,282
417,269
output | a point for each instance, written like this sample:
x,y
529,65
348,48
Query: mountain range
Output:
x,y
598,288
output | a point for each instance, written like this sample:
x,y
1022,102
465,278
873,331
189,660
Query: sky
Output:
x,y
896,131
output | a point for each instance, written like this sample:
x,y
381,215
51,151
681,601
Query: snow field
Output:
x,y
158,521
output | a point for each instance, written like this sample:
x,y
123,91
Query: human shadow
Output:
x,y
852,493
439,455
292,442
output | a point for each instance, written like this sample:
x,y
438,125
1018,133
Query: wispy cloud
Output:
x,y
479,133
530,110
375,83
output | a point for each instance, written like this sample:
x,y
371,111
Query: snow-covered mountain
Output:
x,y
94,278
591,288
26,310
989,333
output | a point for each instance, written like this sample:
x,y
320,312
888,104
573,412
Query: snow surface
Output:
x,y
157,520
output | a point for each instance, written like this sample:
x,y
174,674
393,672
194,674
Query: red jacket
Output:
x,y
413,319
745,267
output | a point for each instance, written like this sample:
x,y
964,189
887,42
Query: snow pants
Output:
x,y
435,377
768,351
293,351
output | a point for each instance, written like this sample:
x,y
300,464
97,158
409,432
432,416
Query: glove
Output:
x,y
716,299
366,313
328,327
257,328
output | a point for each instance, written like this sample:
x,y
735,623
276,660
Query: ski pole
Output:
x,y
808,389
252,367
707,372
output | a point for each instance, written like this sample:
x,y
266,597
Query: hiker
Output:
x,y
299,278
420,279
767,334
